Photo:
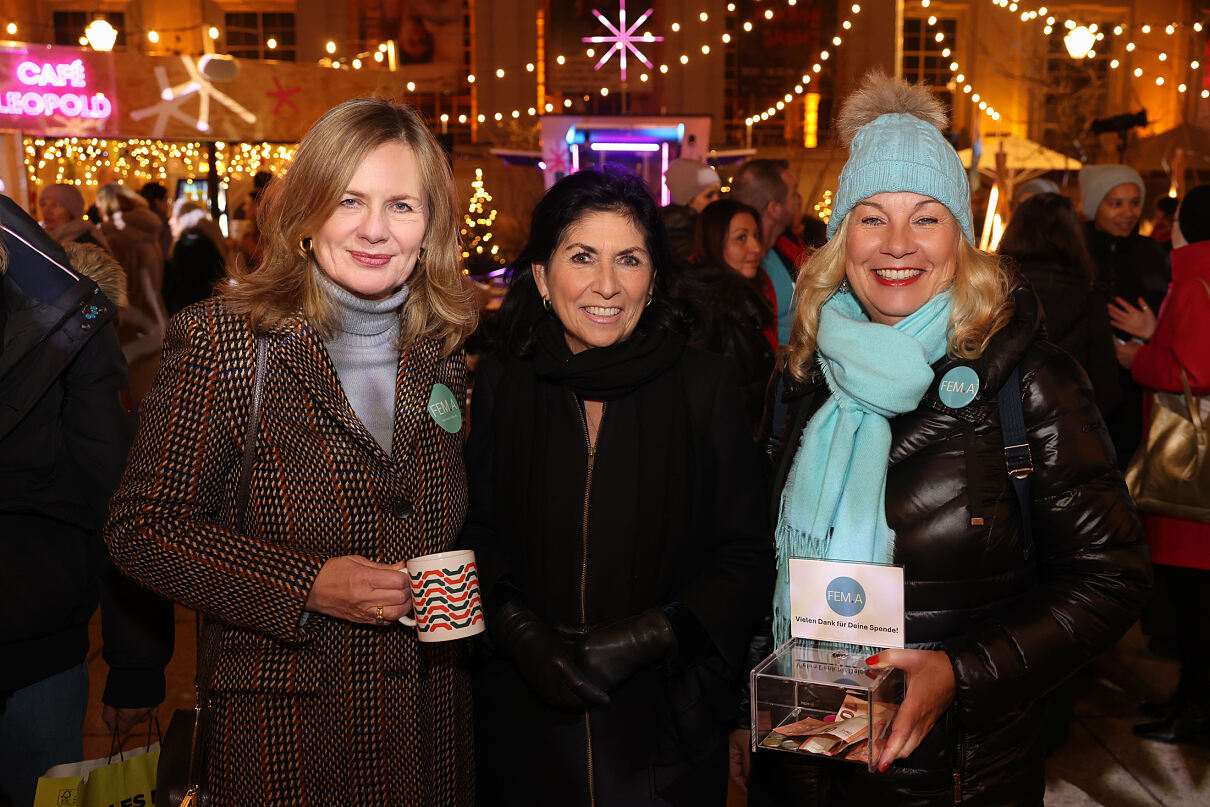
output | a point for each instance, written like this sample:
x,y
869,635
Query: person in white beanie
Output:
x,y
1129,268
691,185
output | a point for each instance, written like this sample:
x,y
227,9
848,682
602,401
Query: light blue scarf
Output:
x,y
833,505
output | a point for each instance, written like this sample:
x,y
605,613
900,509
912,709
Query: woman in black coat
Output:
x,y
617,513
894,452
720,286
1130,267
1045,240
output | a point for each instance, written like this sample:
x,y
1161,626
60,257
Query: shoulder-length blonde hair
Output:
x,y
440,304
981,301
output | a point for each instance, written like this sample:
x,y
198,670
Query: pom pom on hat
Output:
x,y
67,195
687,178
1096,181
893,130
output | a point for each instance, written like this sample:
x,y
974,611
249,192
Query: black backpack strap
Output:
x,y
1016,451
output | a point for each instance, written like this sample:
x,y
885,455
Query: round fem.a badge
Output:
x,y
958,387
443,408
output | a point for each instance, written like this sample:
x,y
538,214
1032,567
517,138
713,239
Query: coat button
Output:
x,y
402,508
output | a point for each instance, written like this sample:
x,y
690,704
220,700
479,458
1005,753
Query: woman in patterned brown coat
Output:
x,y
319,695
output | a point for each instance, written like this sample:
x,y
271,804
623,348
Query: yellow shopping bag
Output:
x,y
129,782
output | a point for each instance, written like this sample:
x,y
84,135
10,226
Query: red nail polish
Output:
x,y
882,768
872,660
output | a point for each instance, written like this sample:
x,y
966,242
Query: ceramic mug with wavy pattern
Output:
x,y
445,596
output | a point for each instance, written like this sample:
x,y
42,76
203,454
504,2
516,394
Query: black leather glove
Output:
x,y
542,659
612,653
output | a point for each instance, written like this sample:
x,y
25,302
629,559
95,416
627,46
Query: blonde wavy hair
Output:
x,y
440,304
981,301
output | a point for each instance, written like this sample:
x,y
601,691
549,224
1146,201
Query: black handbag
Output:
x,y
180,777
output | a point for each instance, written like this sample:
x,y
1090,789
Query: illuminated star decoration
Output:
x,y
623,38
282,94
172,97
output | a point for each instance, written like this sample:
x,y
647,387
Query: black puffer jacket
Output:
x,y
1014,626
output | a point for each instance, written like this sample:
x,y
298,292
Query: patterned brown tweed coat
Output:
x,y
307,710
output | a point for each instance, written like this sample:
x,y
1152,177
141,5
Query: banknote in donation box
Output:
x,y
819,699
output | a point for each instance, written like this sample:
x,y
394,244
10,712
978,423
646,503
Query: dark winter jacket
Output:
x,y
197,265
1015,623
1130,268
680,222
729,318
1077,320
66,421
664,731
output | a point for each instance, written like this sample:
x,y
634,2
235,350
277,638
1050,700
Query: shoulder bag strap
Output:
x,y
212,629
1016,451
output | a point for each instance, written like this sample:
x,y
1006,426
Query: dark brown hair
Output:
x,y
1046,228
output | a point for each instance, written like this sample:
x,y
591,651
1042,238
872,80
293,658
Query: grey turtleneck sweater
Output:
x,y
365,354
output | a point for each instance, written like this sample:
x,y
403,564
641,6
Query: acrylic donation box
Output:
x,y
821,700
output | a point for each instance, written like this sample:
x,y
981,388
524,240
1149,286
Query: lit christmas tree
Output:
x,y
481,256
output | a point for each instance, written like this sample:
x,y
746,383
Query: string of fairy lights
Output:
x,y
89,162
1166,74
804,83
1093,36
701,44
1141,37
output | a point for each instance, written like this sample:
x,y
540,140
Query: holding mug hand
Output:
x,y
930,691
1138,321
355,589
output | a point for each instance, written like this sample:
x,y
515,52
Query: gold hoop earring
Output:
x,y
650,297
420,256
304,247
546,303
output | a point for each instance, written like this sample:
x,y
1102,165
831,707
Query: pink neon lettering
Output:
x,y
71,105
28,72
62,74
54,75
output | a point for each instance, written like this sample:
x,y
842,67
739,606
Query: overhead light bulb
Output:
x,y
100,35
1079,41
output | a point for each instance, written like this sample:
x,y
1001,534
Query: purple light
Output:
x,y
623,38
624,146
665,194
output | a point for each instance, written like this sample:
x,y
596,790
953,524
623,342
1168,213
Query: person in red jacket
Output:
x,y
1179,339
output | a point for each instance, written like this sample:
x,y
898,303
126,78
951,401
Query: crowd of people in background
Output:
x,y
641,362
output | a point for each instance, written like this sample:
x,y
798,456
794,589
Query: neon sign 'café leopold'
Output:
x,y
53,92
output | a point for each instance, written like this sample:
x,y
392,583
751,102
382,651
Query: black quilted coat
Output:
x,y
1015,624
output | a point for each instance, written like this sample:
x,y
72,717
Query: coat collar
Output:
x,y
300,351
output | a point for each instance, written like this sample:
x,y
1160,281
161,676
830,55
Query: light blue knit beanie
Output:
x,y
894,129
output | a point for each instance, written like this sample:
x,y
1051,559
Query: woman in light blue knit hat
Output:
x,y
906,340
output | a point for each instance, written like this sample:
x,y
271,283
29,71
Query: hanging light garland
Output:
x,y
1169,29
802,86
961,84
87,162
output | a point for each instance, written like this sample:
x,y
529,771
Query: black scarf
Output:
x,y
604,373
641,490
